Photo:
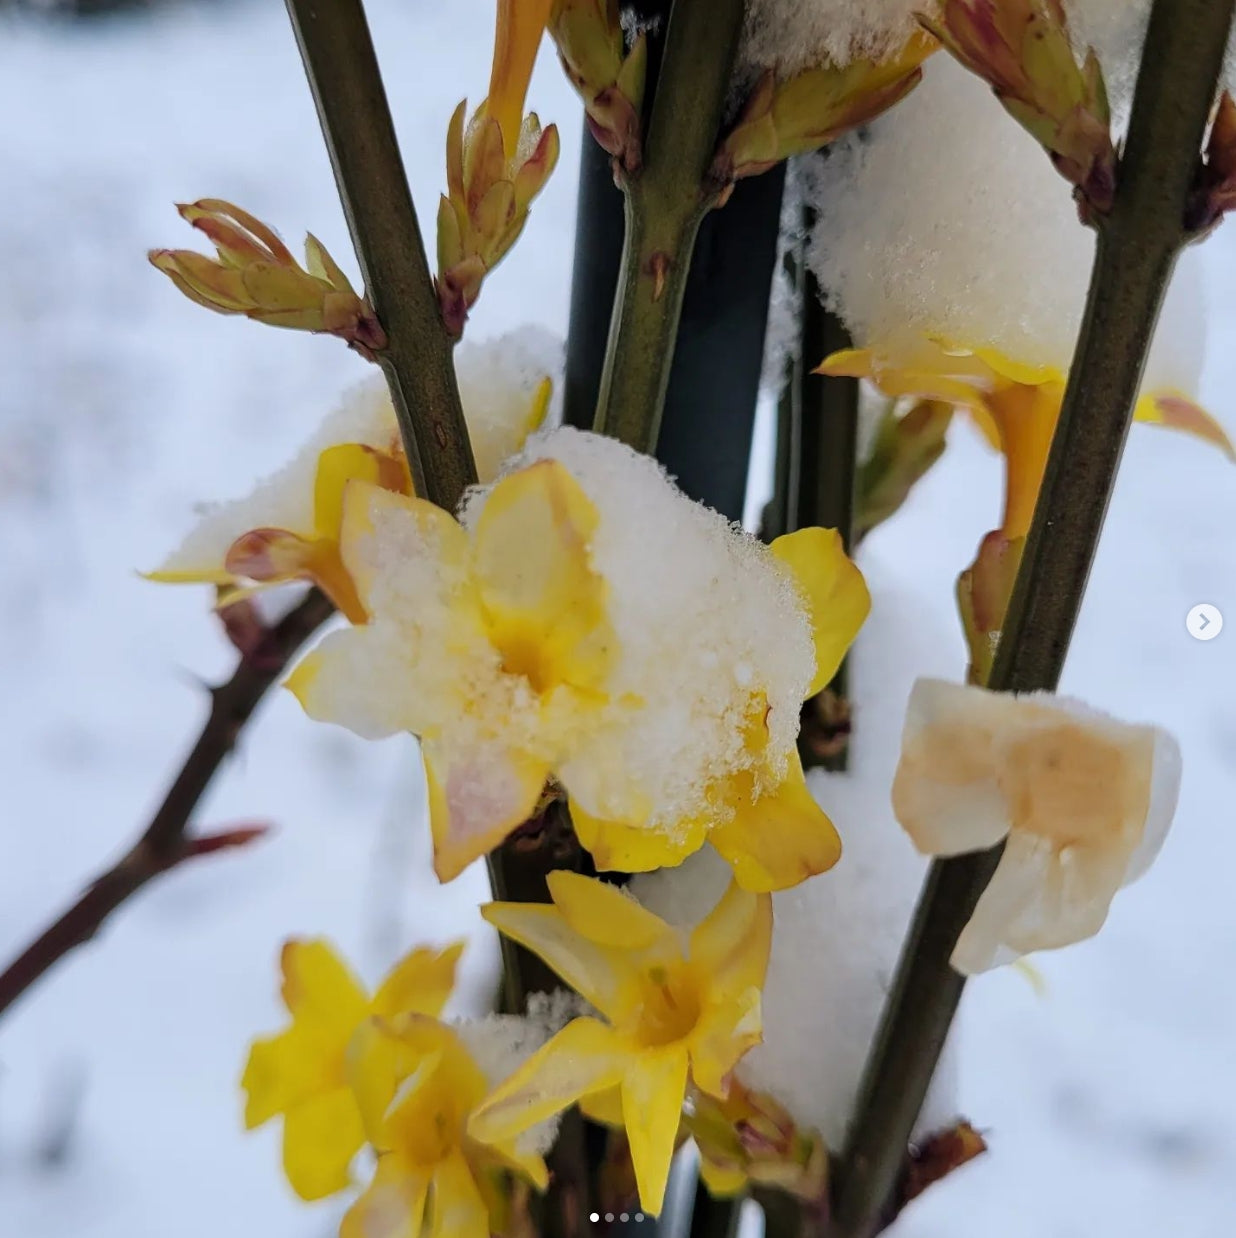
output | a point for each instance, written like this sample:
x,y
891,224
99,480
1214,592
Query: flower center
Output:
x,y
670,1006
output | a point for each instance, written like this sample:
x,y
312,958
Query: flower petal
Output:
x,y
420,983
319,987
1164,793
725,1031
516,40
603,913
544,604
475,802
1177,412
345,463
780,838
586,1056
617,846
731,944
372,514
456,1208
833,591
604,1108
346,678
320,1139
600,974
392,1205
946,793
281,1072
653,1089
1040,898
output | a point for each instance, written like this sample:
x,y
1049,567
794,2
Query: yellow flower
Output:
x,y
416,1086
1084,802
674,1015
491,646
762,819
289,528
1016,406
517,37
300,1073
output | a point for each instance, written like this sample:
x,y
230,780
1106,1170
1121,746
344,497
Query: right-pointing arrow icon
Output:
x,y
1204,621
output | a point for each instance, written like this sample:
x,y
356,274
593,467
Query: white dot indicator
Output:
x,y
609,1216
1204,621
623,1217
639,1216
594,1217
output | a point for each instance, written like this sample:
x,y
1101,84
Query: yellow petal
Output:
x,y
205,575
320,1138
653,1088
518,35
392,1206
603,913
833,590
319,987
616,846
431,532
604,976
586,1056
544,604
475,802
1025,417
780,839
281,1071
895,381
604,1108
421,983
1019,372
337,466
725,1031
730,945
1178,412
457,1209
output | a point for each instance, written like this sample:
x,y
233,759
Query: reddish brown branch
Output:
x,y
164,845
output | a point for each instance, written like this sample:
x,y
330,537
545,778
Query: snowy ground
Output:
x,y
1109,1102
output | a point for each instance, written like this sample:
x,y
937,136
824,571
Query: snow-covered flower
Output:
x,y
416,1086
287,528
1081,801
676,1010
953,253
587,621
300,1073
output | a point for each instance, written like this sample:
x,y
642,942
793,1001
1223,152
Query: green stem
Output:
x,y
356,122
666,200
360,136
1137,248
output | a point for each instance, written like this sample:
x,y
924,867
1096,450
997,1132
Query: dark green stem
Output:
x,y
1137,248
827,454
666,200
360,136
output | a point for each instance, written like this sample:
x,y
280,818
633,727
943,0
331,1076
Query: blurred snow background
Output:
x,y
1110,1103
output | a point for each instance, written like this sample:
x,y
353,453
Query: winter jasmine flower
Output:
x,y
674,1010
300,1073
416,1086
1082,803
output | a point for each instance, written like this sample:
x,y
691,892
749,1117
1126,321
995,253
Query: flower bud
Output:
x,y
256,275
486,204
1021,49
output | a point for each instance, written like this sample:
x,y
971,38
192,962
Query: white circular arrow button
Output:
x,y
1204,622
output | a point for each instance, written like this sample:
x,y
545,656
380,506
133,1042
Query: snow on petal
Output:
x,y
505,385
947,221
1072,788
